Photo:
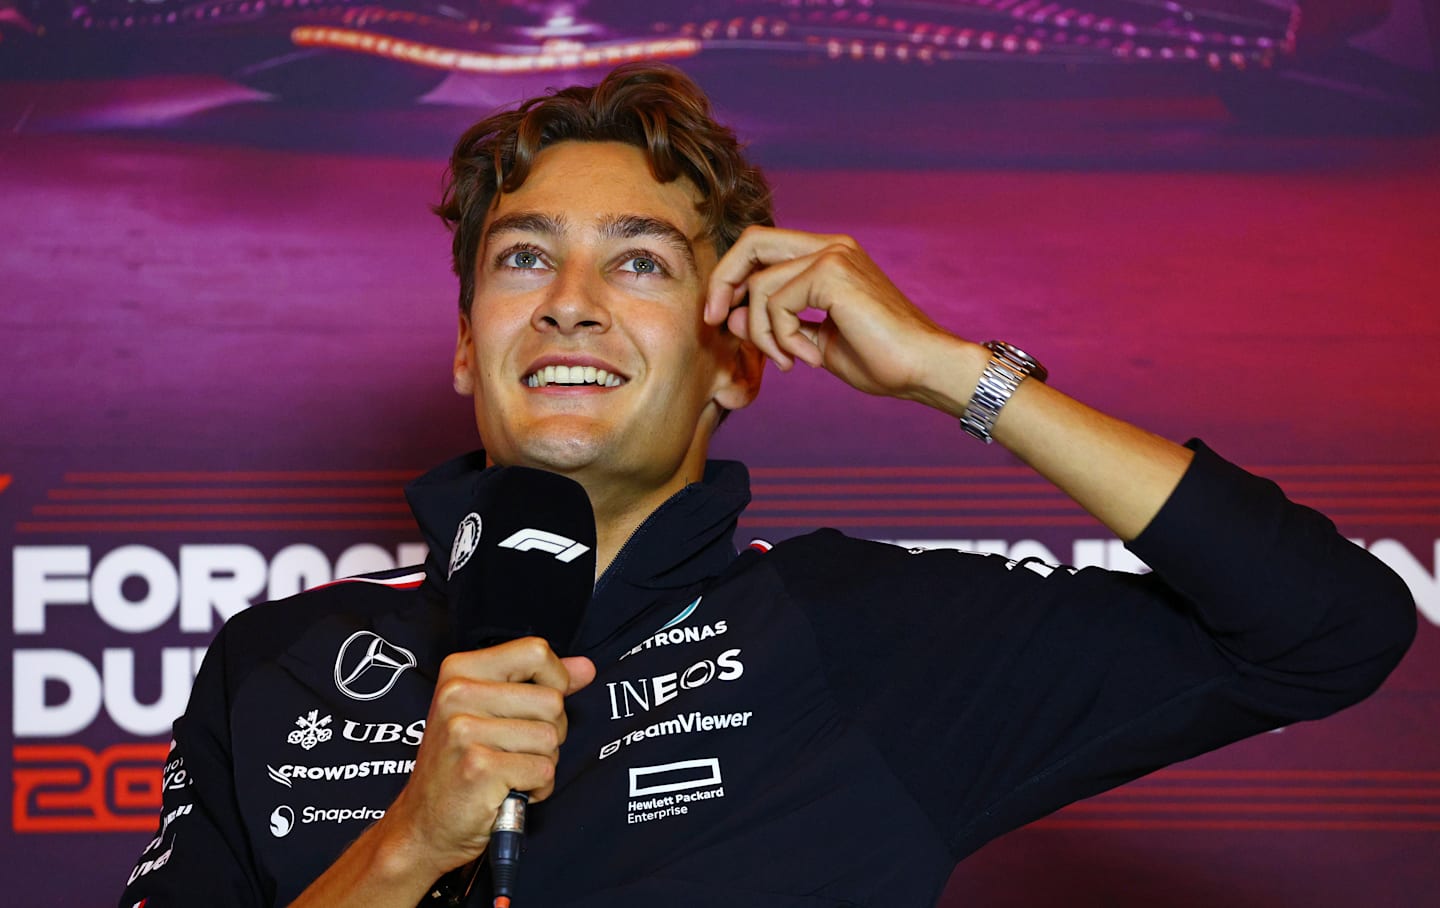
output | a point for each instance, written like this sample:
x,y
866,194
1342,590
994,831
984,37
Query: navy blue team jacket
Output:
x,y
832,722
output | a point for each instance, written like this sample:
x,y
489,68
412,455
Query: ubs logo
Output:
x,y
368,665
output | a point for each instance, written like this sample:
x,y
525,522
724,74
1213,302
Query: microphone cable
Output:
x,y
507,840
502,855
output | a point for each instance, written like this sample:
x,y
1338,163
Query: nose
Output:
x,y
575,304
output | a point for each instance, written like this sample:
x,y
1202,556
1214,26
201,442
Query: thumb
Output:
x,y
582,672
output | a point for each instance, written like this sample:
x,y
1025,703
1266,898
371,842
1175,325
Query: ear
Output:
x,y
738,378
464,359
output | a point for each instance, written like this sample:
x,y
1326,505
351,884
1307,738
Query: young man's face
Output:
x,y
594,269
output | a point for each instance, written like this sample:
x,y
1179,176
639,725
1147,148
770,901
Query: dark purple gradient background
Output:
x,y
192,278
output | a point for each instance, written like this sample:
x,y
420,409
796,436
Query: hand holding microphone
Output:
x,y
496,724
520,576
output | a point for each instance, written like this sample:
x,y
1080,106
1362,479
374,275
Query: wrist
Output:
x,y
383,867
401,856
953,368
1008,368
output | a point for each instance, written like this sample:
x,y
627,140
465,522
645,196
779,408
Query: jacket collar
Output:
x,y
682,544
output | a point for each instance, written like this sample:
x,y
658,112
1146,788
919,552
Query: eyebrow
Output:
x,y
526,222
620,226
634,226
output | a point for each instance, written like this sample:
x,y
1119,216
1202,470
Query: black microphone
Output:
x,y
523,560
522,565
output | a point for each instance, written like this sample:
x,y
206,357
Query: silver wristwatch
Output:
x,y
1008,367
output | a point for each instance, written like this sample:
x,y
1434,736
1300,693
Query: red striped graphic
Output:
x,y
1327,775
216,510
193,493
209,501
1385,471
1062,821
1313,800
913,520
895,472
922,499
1038,486
398,476
206,526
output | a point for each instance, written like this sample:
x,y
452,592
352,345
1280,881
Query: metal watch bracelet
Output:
x,y
1008,367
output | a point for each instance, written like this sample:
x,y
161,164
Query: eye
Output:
x,y
637,263
523,259
520,257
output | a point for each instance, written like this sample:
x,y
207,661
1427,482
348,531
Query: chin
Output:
x,y
560,444
559,453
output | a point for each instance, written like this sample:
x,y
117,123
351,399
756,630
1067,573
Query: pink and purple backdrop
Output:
x,y
227,321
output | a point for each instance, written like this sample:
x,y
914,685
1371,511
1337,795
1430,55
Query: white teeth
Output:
x,y
572,375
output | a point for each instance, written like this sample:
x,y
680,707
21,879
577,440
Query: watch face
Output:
x,y
1026,363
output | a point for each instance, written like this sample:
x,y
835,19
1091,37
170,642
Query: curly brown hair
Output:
x,y
654,107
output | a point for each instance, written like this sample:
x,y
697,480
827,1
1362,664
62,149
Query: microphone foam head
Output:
x,y
523,559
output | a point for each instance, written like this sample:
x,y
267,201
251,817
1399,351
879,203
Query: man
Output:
x,y
830,722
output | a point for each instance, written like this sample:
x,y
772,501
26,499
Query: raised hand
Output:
x,y
872,336
879,342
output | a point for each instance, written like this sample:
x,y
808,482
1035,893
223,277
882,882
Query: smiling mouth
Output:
x,y
572,376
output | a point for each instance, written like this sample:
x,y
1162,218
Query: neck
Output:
x,y
620,512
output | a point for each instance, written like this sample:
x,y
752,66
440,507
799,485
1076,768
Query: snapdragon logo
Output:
x,y
282,820
340,814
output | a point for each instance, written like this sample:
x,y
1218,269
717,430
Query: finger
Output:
x,y
786,290
761,332
769,320
517,736
581,671
757,248
740,326
786,325
496,772
725,300
739,323
458,696
518,661
803,290
808,333
540,782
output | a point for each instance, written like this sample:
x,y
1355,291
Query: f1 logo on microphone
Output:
x,y
562,547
